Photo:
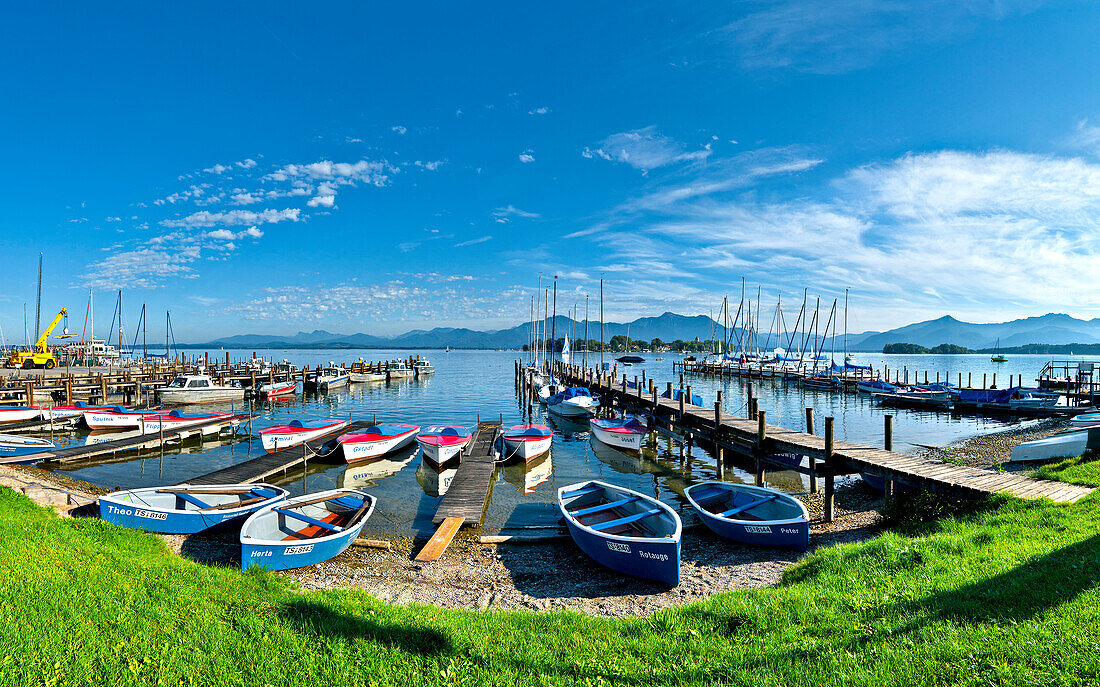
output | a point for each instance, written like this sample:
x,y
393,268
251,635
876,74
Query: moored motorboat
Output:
x,y
875,386
624,530
750,514
297,432
11,414
200,388
822,382
423,368
273,389
175,420
625,434
525,442
304,530
915,398
186,509
575,401
17,449
1068,444
442,443
397,369
366,376
376,441
328,378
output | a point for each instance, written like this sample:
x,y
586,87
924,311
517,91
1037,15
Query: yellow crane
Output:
x,y
41,355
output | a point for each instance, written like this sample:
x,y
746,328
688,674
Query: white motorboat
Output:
x,y
626,434
397,369
376,441
573,402
366,376
297,432
423,368
548,390
175,420
526,442
331,377
272,389
18,449
187,389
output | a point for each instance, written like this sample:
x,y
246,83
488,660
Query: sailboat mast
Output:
x,y
554,319
120,345
756,333
601,323
586,330
845,326
167,338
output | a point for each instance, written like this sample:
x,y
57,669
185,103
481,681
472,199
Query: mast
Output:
x,y
554,319
586,330
845,326
756,333
545,302
538,348
167,331
601,323
121,346
38,302
725,322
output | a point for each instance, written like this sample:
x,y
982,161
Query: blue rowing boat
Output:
x,y
751,515
304,530
186,509
623,529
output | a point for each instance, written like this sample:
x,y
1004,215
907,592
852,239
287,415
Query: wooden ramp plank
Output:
x,y
440,540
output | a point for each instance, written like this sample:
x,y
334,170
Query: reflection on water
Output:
x,y
472,385
436,479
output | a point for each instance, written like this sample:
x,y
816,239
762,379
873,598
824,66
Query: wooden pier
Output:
x,y
139,442
785,448
467,498
269,464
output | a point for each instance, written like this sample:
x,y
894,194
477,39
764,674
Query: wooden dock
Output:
x,y
139,442
269,464
826,457
467,498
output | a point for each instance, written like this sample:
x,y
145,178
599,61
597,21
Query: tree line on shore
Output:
x,y
952,349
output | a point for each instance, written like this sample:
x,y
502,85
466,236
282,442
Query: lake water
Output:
x,y
469,385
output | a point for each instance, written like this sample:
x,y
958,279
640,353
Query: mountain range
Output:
x,y
1046,329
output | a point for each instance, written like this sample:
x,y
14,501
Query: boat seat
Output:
x,y
583,491
704,494
305,518
261,491
747,506
238,504
192,500
626,520
604,506
352,502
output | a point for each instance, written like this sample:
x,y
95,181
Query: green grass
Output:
x,y
1003,592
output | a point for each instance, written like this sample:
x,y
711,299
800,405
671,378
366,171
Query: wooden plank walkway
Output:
x,y
140,442
440,540
469,492
269,464
899,467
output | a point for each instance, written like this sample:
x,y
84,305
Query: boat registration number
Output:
x,y
305,548
618,546
152,515
758,529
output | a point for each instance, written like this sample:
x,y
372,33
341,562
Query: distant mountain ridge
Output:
x,y
1049,329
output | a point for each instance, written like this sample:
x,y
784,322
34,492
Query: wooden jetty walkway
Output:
x,y
139,442
467,498
785,448
268,464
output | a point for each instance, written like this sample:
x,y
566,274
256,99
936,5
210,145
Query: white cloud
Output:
x,y
538,111
216,169
527,156
430,165
644,149
322,201
247,163
399,130
244,199
228,235
203,218
506,214
472,242
221,234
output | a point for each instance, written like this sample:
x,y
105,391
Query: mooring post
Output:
x,y
812,461
994,381
749,401
761,437
984,376
829,479
753,408
888,444
689,396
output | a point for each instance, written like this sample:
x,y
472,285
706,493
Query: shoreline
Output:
x,y
546,575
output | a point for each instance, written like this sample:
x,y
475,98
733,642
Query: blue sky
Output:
x,y
284,167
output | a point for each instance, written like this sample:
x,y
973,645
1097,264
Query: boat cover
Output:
x,y
695,400
571,392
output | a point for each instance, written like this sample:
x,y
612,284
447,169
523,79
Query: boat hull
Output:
x,y
526,449
155,424
273,442
197,396
113,421
788,533
272,554
11,415
17,449
355,451
366,377
573,408
1063,445
622,440
656,558
439,455
270,390
125,508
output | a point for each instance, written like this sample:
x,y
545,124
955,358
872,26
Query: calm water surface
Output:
x,y
469,385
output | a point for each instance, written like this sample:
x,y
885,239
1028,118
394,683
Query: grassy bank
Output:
x,y
1005,593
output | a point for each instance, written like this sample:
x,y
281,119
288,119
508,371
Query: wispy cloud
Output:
x,y
527,156
539,111
643,149
399,130
203,218
836,36
506,214
472,242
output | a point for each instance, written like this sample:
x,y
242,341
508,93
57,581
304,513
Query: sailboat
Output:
x,y
997,356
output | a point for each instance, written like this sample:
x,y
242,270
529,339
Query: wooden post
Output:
x,y
69,391
960,380
994,381
812,461
829,479
888,442
681,405
752,408
983,380
668,390
761,437
102,389
689,396
719,452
